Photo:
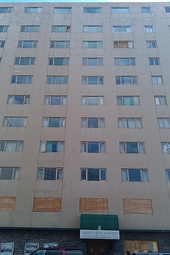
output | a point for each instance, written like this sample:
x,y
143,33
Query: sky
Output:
x,y
78,1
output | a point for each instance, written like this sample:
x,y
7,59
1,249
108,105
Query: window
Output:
x,y
132,147
60,44
168,174
126,80
33,9
15,121
52,146
135,175
149,29
30,28
93,174
59,61
61,29
55,100
9,173
18,99
50,174
146,10
151,44
124,61
92,61
57,79
62,10
21,79
5,9
130,122
92,80
92,122
24,61
27,44
120,10
92,10
164,122
92,100
3,29
92,29
160,100
157,80
11,146
166,148
2,44
55,122
122,29
123,44
92,44
154,61
128,100
93,147
167,9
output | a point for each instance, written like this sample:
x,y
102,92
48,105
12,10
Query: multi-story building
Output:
x,y
85,126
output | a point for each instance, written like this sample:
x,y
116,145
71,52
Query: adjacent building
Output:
x,y
85,126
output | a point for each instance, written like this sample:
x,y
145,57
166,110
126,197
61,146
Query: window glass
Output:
x,y
146,10
120,10
134,175
151,44
6,173
167,9
5,9
50,174
92,29
168,174
122,29
62,10
149,29
93,147
93,174
32,9
92,122
132,147
91,10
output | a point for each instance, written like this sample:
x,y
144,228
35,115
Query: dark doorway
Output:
x,y
98,247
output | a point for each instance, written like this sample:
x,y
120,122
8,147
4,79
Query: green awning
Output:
x,y
96,221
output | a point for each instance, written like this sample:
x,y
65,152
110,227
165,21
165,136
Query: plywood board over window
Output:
x,y
137,206
7,204
93,205
140,246
47,204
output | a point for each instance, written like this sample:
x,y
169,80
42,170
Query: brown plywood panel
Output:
x,y
7,204
140,246
137,206
47,204
94,205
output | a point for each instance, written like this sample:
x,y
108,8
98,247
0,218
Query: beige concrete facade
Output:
x,y
149,200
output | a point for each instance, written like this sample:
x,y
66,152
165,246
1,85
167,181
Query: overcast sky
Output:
x,y
77,1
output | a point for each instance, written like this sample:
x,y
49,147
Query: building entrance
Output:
x,y
98,247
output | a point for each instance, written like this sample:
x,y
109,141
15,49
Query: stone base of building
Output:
x,y
21,238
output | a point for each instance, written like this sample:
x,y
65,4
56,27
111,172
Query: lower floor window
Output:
x,y
9,173
168,174
135,175
50,174
93,174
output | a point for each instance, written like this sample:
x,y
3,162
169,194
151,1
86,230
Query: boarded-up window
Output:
x,y
140,246
47,204
94,205
7,204
137,206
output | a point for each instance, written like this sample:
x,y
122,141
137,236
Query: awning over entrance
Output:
x,y
99,226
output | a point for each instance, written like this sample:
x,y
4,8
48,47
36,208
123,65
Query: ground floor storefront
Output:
x,y
22,241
